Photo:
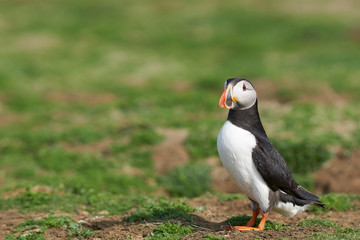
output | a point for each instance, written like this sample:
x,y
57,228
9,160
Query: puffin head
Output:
x,y
239,94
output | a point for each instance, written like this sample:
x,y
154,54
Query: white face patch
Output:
x,y
245,95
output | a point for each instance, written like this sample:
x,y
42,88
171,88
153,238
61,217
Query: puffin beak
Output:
x,y
225,97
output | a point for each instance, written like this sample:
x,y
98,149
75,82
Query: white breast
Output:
x,y
235,146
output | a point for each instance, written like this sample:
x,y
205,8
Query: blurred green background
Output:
x,y
86,88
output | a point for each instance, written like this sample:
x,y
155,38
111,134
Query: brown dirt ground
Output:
x,y
11,218
340,175
211,220
15,192
83,98
97,147
10,118
171,152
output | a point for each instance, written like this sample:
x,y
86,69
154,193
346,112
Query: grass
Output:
x,y
295,152
35,228
334,202
344,233
170,231
226,197
315,222
341,233
188,181
163,210
93,202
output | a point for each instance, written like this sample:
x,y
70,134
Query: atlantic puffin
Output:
x,y
253,162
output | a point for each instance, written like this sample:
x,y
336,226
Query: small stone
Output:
x,y
83,213
105,212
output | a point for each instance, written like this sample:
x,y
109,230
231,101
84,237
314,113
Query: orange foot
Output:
x,y
246,228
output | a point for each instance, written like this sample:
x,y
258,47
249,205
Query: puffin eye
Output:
x,y
244,87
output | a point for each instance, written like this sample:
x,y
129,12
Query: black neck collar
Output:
x,y
247,119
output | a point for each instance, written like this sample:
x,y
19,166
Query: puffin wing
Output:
x,y
275,172
272,166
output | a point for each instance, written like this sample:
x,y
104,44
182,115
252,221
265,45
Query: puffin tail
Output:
x,y
296,200
304,197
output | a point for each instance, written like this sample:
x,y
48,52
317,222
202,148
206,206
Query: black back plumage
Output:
x,y
268,161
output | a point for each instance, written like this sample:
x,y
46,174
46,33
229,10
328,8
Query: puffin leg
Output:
x,y
246,228
253,218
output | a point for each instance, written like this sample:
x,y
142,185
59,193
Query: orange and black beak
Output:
x,y
226,98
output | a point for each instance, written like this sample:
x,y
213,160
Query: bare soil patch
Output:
x,y
136,81
171,152
338,7
355,35
81,97
340,175
36,42
7,118
100,146
15,192
266,90
323,93
180,86
11,218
